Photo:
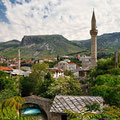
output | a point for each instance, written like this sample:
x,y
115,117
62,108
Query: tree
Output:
x,y
38,81
6,94
65,86
105,81
9,109
8,84
68,73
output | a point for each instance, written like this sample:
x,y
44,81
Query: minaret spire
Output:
x,y
93,33
93,21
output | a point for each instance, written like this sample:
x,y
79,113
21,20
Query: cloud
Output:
x,y
70,18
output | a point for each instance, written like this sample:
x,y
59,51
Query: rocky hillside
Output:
x,y
42,46
107,43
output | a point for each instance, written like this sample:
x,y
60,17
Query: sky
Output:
x,y
70,18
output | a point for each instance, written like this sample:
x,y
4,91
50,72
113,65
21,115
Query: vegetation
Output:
x,y
107,44
65,86
9,86
38,81
94,112
9,109
39,46
105,81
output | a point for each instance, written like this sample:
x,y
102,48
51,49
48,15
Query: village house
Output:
x,y
63,65
73,104
72,66
5,69
57,73
17,72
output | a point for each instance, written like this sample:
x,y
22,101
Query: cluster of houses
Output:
x,y
12,66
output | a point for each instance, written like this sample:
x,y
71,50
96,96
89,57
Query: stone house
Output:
x,y
72,66
63,65
71,103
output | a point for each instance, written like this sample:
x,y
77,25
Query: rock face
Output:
x,y
48,44
41,39
29,40
44,46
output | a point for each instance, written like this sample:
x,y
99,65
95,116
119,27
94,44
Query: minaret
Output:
x,y
93,33
19,60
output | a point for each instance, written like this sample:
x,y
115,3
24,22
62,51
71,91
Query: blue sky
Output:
x,y
70,18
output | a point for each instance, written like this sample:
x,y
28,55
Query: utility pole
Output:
x,y
19,60
116,59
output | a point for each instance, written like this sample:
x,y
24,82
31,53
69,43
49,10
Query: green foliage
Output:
x,y
93,107
105,113
57,44
51,64
68,73
6,94
8,85
105,81
114,71
9,109
103,66
38,81
65,86
111,113
27,86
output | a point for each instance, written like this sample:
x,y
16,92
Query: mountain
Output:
x,y
39,46
107,43
46,46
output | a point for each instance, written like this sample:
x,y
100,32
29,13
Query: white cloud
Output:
x,y
70,18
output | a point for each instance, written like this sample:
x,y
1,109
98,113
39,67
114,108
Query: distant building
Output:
x,y
72,66
17,72
57,73
86,64
63,65
13,65
67,60
85,58
5,69
78,56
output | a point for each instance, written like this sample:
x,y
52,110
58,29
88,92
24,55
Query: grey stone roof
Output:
x,y
73,103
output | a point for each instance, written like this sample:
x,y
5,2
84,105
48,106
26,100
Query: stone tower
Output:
x,y
93,33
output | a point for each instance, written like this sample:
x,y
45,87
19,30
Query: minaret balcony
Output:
x,y
94,32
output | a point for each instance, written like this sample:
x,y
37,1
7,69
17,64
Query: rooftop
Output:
x,y
5,68
73,103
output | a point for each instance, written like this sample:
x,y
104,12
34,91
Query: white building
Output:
x,y
16,72
85,58
57,73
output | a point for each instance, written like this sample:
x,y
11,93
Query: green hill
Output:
x,y
46,46
107,44
39,46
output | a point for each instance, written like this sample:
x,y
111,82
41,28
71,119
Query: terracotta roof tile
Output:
x,y
5,68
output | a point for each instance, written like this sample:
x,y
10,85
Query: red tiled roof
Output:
x,y
5,68
72,63
58,70
13,65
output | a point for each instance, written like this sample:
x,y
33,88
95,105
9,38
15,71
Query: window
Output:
x,y
64,117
